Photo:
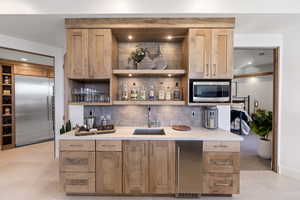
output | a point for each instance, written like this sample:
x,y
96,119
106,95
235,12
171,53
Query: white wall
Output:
x,y
20,44
259,88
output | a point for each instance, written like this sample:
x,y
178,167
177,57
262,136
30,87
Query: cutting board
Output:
x,y
181,128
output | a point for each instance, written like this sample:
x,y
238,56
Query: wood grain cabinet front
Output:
x,y
77,145
109,145
77,183
77,161
221,162
221,183
109,172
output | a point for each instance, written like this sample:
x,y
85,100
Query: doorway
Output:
x,y
255,93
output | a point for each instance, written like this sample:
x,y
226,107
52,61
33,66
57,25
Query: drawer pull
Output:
x,y
77,182
108,145
222,184
222,162
75,161
221,146
76,145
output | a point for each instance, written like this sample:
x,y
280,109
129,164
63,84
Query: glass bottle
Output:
x,y
161,92
142,94
124,95
168,94
177,92
133,92
152,93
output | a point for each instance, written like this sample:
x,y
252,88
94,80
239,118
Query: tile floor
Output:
x,y
31,173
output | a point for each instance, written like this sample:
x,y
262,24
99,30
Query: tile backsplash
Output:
x,y
138,115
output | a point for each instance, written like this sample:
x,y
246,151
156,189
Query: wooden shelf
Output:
x,y
6,104
135,73
7,74
6,84
174,103
8,95
7,135
91,103
7,125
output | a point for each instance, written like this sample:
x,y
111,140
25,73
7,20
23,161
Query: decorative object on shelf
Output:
x,y
261,124
6,80
89,95
137,56
146,63
6,92
177,92
159,61
7,111
62,130
68,126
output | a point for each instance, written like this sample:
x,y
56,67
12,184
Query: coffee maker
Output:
x,y
211,117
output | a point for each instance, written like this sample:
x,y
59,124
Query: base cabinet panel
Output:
x,y
162,167
218,183
135,167
78,183
73,161
109,172
221,162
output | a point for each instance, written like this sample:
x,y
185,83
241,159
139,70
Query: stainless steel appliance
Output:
x,y
34,107
189,168
210,91
211,117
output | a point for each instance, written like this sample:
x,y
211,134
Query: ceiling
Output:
x,y
49,29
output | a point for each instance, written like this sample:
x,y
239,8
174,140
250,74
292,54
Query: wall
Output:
x,y
259,88
57,53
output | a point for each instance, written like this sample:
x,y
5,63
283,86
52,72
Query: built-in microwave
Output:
x,y
210,91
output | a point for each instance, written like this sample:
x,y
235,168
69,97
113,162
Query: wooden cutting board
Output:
x,y
181,128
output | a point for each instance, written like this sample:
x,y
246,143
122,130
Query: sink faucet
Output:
x,y
152,123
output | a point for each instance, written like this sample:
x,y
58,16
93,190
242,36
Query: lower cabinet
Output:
x,y
109,172
135,167
77,183
221,183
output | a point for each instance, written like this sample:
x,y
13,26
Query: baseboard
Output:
x,y
290,172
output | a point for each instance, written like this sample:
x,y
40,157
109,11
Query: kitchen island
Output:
x,y
122,163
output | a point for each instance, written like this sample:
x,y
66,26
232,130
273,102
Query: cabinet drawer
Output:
x,y
80,183
77,145
217,183
221,146
223,162
109,145
77,161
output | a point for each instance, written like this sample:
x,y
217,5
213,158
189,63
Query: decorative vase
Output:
x,y
264,148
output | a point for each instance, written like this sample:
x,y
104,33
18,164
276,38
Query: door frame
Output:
x,y
275,117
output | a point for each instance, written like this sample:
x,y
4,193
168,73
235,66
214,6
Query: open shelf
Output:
x,y
149,103
91,103
135,73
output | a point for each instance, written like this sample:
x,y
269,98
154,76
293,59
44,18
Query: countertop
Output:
x,y
126,133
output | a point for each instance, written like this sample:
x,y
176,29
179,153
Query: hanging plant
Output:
x,y
137,55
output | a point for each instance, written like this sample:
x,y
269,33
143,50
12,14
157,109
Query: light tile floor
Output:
x,y
31,173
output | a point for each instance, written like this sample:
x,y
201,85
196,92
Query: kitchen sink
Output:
x,y
149,131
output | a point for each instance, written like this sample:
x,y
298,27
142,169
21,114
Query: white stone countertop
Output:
x,y
126,133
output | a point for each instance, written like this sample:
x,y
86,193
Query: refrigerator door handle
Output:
x,y
47,107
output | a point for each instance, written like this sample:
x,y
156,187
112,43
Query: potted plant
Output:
x,y
262,125
137,56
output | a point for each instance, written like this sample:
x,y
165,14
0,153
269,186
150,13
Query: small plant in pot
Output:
x,y
262,125
138,55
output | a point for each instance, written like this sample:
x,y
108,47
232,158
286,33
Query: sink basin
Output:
x,y
149,131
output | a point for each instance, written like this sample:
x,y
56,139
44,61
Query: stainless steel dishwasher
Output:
x,y
189,168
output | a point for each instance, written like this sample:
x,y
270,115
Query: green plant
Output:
x,y
137,55
261,123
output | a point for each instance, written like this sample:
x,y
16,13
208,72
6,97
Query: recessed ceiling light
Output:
x,y
250,63
169,37
130,37
130,75
24,59
169,75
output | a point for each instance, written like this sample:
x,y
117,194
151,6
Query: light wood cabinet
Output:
x,y
77,145
77,53
75,161
221,183
221,162
210,53
162,167
135,167
89,53
109,172
77,183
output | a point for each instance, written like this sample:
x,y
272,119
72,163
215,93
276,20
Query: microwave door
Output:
x,y
207,92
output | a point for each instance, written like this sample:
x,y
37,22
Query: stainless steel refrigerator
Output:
x,y
34,109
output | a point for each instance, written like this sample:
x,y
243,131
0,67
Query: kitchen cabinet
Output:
x,y
210,53
89,53
162,167
135,167
109,172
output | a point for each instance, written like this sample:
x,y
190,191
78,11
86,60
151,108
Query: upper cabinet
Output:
x,y
89,53
210,53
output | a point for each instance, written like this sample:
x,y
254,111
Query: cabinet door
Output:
x,y
108,172
199,53
135,167
77,53
100,53
222,53
75,161
162,167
